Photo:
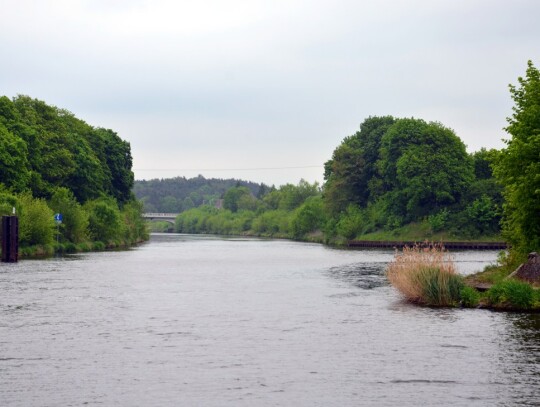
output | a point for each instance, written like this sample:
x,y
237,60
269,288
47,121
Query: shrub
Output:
x,y
105,220
99,246
439,221
308,217
350,223
84,247
74,227
70,247
36,222
470,298
511,293
426,276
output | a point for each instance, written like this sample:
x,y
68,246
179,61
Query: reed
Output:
x,y
426,275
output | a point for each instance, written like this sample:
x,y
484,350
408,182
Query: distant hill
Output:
x,y
174,195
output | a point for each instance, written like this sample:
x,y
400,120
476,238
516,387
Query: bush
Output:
x,y
308,217
84,247
105,220
426,276
350,223
98,246
74,227
70,247
511,294
470,298
36,222
439,221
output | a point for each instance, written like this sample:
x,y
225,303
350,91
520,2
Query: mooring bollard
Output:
x,y
10,239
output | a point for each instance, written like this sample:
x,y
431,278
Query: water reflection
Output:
x,y
362,275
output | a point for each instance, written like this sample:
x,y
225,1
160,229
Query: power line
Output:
x,y
228,169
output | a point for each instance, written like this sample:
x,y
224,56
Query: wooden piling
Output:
x,y
10,239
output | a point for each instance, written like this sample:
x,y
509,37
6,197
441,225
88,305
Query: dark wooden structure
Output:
x,y
446,245
10,239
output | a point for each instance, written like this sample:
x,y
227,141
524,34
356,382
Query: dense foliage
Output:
x,y
518,165
291,211
392,172
52,162
396,171
175,195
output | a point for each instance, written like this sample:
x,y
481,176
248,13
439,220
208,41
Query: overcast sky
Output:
x,y
255,89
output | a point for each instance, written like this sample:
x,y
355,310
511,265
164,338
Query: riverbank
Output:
x,y
447,245
39,251
427,276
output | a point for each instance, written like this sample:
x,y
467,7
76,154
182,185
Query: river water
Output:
x,y
205,321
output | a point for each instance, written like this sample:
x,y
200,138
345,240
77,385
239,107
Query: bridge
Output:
x,y
167,217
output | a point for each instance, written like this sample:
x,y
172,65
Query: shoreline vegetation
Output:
x,y
69,183
401,179
428,277
395,179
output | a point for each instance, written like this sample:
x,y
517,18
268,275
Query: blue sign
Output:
x,y
58,217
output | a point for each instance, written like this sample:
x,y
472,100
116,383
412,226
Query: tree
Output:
x,y
119,161
14,172
424,167
105,221
352,168
308,217
233,196
292,196
518,166
170,204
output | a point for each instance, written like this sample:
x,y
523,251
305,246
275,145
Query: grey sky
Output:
x,y
224,85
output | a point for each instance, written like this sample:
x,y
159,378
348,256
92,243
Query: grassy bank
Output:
x,y
428,277
422,231
36,251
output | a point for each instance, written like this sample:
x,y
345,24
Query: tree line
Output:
x,y
175,195
52,162
404,174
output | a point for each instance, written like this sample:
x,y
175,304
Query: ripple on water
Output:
x,y
227,322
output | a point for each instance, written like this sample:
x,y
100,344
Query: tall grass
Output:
x,y
426,276
512,294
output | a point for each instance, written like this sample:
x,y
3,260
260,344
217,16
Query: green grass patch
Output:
x,y
421,231
494,274
470,298
512,294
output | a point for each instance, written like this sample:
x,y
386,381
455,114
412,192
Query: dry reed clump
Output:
x,y
426,275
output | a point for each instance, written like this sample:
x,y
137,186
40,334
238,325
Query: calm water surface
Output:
x,y
202,321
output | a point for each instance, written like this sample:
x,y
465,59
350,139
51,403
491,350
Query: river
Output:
x,y
206,321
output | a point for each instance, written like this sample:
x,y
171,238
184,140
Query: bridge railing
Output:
x,y
160,215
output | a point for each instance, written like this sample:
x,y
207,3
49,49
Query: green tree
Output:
x,y
8,201
170,204
484,214
351,175
233,196
424,167
309,217
518,166
119,161
292,196
14,166
187,203
134,225
105,220
36,221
